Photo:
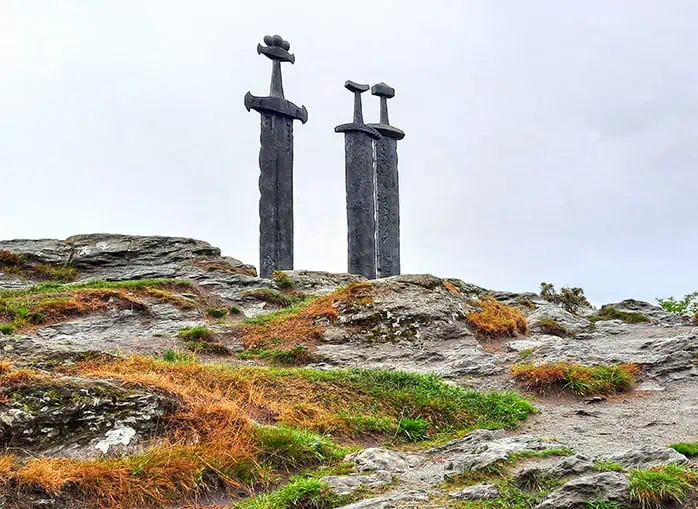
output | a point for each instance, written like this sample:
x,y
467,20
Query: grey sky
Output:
x,y
546,140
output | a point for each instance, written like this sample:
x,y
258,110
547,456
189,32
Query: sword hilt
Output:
x,y
276,50
358,123
385,92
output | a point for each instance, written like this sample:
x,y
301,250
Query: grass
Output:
x,y
554,328
212,439
283,280
297,494
495,320
52,302
612,313
208,347
687,449
16,265
294,356
7,329
511,495
272,296
527,353
176,357
302,323
608,466
414,429
196,333
216,312
576,378
234,310
654,488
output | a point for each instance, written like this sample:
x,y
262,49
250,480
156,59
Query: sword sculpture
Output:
x,y
361,220
276,162
387,187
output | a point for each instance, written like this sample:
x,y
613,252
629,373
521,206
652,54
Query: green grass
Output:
x,y
687,449
207,347
234,310
545,453
278,314
216,313
292,448
527,353
608,466
272,296
612,313
413,429
655,488
49,287
297,494
177,357
7,329
294,356
196,333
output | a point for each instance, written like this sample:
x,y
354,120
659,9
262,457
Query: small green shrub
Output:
x,y
196,333
608,312
7,329
177,357
571,299
658,487
687,449
295,356
216,313
234,310
414,429
688,303
57,273
608,466
283,280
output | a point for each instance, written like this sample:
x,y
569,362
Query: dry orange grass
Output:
x,y
453,289
576,378
496,320
306,326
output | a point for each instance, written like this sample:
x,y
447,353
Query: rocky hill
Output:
x,y
153,372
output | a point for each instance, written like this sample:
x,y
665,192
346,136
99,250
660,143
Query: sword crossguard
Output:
x,y
358,124
277,50
385,92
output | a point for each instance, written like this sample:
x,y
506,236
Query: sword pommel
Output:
x,y
383,90
352,86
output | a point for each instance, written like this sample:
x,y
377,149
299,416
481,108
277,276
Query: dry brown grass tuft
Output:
x,y
9,259
496,320
5,366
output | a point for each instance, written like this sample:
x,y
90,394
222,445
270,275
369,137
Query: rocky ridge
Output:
x,y
412,322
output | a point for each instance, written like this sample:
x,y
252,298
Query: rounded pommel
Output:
x,y
383,90
352,86
277,41
276,49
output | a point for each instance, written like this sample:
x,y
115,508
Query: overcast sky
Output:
x,y
546,139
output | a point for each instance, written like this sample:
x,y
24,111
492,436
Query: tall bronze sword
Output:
x,y
276,162
361,197
387,188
